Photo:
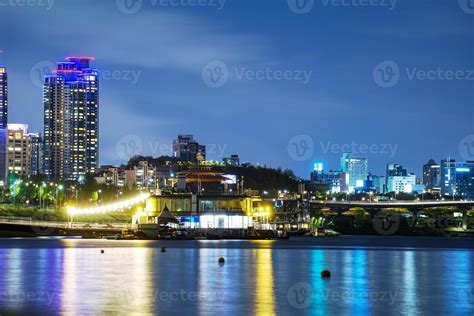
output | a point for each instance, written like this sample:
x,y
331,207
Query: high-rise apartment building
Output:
x,y
3,97
19,150
71,120
36,162
3,124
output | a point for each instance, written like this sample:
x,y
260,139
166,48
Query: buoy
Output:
x,y
325,274
102,251
163,249
221,260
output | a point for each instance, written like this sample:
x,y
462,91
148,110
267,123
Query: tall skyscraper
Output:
x,y
431,176
356,170
457,178
71,120
3,124
3,97
36,162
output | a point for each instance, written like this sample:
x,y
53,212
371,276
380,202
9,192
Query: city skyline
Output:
x,y
144,82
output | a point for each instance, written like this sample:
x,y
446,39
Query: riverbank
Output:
x,y
294,243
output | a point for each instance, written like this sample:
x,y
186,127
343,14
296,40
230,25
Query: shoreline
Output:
x,y
347,242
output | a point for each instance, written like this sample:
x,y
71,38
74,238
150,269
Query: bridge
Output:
x,y
342,206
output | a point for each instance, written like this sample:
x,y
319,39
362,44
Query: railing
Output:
x,y
396,202
26,221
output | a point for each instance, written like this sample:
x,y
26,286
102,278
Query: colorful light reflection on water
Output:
x,y
261,278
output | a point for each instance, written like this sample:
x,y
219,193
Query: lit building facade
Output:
x,y
432,176
36,146
233,160
356,170
145,177
457,178
19,150
3,97
396,170
186,148
333,180
71,120
404,184
3,124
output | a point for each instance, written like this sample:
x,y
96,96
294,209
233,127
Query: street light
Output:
x,y
58,188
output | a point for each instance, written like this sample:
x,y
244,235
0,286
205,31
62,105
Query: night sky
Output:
x,y
294,85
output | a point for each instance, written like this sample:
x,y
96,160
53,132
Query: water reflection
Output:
x,y
264,291
253,280
409,280
317,283
117,280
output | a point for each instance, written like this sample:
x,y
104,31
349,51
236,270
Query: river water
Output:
x,y
370,275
